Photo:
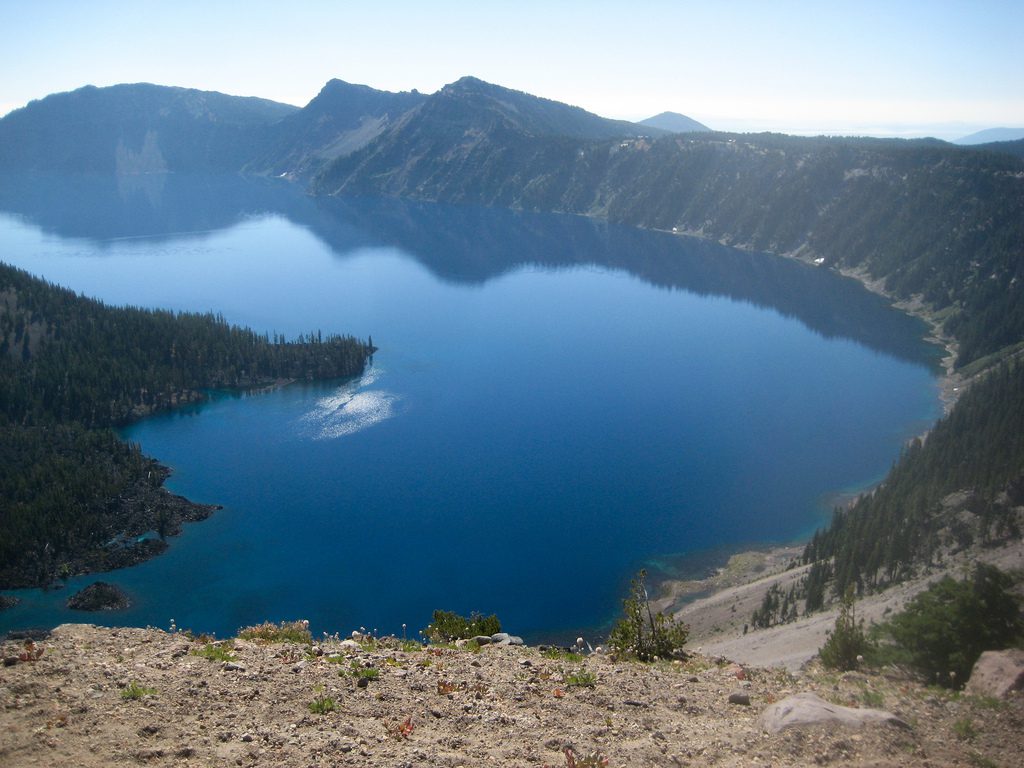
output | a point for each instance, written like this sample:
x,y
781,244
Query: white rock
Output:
x,y
997,673
804,709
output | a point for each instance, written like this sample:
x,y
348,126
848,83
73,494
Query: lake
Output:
x,y
555,403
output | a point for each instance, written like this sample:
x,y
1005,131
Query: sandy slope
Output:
x,y
717,621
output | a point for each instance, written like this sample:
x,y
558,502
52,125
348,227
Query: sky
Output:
x,y
894,68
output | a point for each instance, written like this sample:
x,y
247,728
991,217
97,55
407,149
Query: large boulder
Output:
x,y
996,673
806,709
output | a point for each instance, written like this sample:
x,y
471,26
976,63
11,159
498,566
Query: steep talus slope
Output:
x,y
139,128
341,119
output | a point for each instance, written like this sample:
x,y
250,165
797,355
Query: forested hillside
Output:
x,y
70,369
978,449
934,221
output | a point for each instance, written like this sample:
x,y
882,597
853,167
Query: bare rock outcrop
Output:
x,y
997,673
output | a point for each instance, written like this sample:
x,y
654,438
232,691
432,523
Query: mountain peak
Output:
x,y
673,122
470,84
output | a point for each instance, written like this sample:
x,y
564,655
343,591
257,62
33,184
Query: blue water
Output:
x,y
555,403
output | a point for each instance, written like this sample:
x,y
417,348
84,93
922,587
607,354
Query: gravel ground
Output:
x,y
101,697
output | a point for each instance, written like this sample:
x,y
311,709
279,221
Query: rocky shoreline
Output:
x,y
141,519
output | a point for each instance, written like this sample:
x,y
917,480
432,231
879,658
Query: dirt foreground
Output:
x,y
102,697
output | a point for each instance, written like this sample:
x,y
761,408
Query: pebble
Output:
x,y
740,697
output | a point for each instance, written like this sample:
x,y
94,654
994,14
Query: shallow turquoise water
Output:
x,y
555,403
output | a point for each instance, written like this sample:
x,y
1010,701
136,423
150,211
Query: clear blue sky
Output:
x,y
908,67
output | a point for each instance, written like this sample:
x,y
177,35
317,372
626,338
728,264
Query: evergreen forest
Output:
x,y
73,495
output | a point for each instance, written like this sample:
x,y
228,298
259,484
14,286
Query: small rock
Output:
x,y
735,670
233,666
246,737
299,667
483,639
740,697
8,601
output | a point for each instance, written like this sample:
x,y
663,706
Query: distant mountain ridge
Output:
x,y
468,137
135,128
145,128
990,135
673,122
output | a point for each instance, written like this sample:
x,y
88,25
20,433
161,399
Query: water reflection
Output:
x,y
467,245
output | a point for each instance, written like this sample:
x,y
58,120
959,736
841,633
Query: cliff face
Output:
x,y
89,696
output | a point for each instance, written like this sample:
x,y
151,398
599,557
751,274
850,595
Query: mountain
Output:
x,y
138,128
469,141
990,135
472,101
342,118
673,122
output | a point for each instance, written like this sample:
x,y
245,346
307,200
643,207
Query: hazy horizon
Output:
x,y
943,69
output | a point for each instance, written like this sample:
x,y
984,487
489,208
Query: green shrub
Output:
x,y
322,704
847,640
943,631
642,634
364,673
560,654
582,678
285,632
133,691
964,729
214,652
448,626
